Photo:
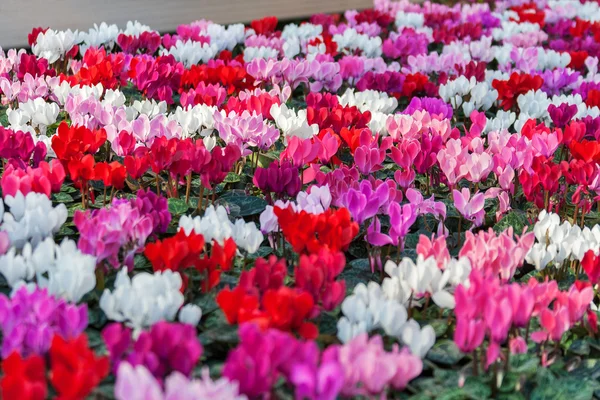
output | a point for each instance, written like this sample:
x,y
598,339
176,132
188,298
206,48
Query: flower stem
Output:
x,y
188,188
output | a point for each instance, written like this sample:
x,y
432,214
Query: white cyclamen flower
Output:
x,y
143,300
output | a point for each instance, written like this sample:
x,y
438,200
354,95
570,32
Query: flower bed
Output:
x,y
400,202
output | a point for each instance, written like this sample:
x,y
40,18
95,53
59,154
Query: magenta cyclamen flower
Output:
x,y
279,178
562,114
113,234
29,321
262,357
405,43
154,206
165,348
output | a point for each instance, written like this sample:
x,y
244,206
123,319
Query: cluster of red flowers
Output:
x,y
232,76
309,233
75,371
181,252
262,298
98,67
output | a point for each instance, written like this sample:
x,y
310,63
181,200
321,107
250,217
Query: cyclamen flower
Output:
x,y
369,370
471,208
273,354
143,300
107,232
137,383
245,130
279,178
154,206
30,319
24,376
31,218
54,45
62,269
75,368
165,348
497,254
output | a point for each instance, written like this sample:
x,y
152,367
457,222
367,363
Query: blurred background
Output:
x,y
18,17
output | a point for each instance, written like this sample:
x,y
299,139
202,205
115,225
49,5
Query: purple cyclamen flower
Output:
x,y
29,321
113,234
432,105
154,206
280,178
262,357
165,348
562,114
365,201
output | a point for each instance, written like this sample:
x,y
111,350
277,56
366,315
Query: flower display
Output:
x,y
394,202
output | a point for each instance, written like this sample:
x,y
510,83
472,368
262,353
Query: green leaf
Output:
x,y
262,251
73,208
247,205
476,388
68,189
445,352
524,363
232,177
65,231
580,347
62,198
177,206
440,326
564,388
515,218
357,271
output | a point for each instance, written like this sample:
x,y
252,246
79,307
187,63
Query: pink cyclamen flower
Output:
x,y
471,208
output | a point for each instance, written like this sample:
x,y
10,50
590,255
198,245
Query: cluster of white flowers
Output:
x,y
374,306
410,19
146,299
351,40
63,269
191,53
196,119
304,32
482,95
264,52
63,90
53,45
225,38
36,113
367,309
100,35
369,100
502,120
216,225
557,243
31,218
291,123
